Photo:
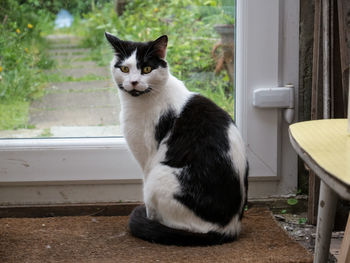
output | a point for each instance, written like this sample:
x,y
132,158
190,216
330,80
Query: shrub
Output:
x,y
189,25
22,60
23,55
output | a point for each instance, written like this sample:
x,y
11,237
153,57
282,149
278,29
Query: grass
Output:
x,y
24,55
46,133
14,115
190,27
215,89
56,77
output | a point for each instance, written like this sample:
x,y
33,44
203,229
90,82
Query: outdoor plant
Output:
x,y
228,12
24,55
22,60
190,26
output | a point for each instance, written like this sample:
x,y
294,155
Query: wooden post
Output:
x,y
314,192
314,181
344,43
326,36
330,73
119,6
344,256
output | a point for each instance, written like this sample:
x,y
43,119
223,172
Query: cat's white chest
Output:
x,y
138,129
140,116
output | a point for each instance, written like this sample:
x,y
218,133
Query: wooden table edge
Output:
x,y
340,187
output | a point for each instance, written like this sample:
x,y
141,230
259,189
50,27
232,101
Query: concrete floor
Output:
x,y
305,234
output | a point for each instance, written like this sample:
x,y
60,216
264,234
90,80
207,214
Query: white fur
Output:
x,y
138,116
237,154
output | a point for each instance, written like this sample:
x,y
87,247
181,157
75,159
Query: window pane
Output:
x,y
54,61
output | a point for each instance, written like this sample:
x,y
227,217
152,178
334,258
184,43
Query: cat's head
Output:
x,y
139,67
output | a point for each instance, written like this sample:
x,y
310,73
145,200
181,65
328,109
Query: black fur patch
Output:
x,y
165,123
199,144
152,231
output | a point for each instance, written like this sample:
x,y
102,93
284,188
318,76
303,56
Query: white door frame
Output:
x,y
267,56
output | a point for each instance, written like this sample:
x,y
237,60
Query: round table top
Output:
x,y
327,143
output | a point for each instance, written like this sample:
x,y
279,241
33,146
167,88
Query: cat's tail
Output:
x,y
153,231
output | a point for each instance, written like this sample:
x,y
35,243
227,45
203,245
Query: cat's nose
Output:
x,y
134,83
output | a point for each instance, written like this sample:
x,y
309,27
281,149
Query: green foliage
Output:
x,y
23,58
188,23
302,220
13,115
22,66
190,27
46,133
229,11
214,87
55,77
23,53
16,7
292,201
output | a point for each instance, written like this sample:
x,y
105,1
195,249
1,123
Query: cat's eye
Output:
x,y
124,69
147,69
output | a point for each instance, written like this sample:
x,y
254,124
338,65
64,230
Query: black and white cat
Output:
x,y
192,155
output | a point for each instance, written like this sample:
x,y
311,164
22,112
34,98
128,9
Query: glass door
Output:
x,y
59,111
59,127
55,76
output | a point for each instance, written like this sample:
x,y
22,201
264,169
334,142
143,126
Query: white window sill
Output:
x,y
66,161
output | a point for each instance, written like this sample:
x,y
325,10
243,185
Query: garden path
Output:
x,y
83,102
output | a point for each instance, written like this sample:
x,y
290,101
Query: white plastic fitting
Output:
x,y
279,97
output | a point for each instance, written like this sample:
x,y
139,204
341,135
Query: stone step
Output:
x,y
76,109
66,45
64,39
93,116
75,64
64,131
21,133
86,131
69,58
81,86
102,72
70,100
70,107
68,51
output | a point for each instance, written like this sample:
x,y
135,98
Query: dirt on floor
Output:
x,y
297,228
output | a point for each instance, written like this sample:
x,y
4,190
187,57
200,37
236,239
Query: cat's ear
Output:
x,y
160,45
115,42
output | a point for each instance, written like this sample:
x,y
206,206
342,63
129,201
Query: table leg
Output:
x,y
325,220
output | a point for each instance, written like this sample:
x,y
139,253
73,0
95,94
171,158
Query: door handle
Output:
x,y
279,97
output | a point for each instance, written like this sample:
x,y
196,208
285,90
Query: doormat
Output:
x,y
106,239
